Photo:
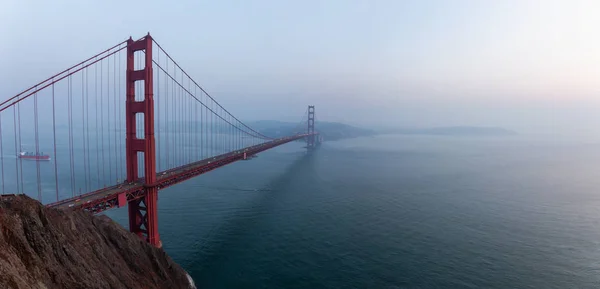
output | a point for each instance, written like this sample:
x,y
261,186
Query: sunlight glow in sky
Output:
x,y
515,63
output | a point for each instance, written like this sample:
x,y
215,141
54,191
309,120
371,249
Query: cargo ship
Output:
x,y
33,156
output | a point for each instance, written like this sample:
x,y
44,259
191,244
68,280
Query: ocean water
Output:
x,y
393,212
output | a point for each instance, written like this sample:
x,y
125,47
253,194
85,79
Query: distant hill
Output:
x,y
454,130
337,131
328,130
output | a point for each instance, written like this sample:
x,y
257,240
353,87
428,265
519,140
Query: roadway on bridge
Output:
x,y
123,187
138,185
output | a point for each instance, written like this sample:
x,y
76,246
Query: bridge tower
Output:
x,y
143,216
310,141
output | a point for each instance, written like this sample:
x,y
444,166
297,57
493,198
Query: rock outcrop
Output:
x,y
49,248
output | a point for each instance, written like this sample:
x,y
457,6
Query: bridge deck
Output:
x,y
118,195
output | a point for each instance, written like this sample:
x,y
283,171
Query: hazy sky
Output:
x,y
515,63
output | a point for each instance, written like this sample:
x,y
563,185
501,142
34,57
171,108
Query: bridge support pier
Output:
x,y
143,215
143,219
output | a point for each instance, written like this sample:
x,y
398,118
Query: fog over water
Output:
x,y
529,65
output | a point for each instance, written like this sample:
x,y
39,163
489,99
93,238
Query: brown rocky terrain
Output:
x,y
49,248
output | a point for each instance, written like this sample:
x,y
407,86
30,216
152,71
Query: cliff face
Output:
x,y
48,248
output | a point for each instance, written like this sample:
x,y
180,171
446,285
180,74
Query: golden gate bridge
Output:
x,y
121,126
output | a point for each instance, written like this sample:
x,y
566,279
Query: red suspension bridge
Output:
x,y
117,128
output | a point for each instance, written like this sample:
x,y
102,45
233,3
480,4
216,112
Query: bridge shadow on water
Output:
x,y
213,249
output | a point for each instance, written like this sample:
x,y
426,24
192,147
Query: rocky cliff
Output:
x,y
48,248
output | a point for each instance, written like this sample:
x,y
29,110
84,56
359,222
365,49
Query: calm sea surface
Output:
x,y
393,212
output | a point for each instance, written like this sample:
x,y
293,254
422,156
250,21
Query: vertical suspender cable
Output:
x,y
204,130
54,140
212,129
72,140
114,119
70,117
221,130
190,121
217,132
108,118
219,140
181,124
234,134
20,145
83,89
184,121
96,127
174,116
168,137
208,132
16,146
196,149
86,153
101,140
189,125
227,127
37,146
69,133
202,124
175,123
